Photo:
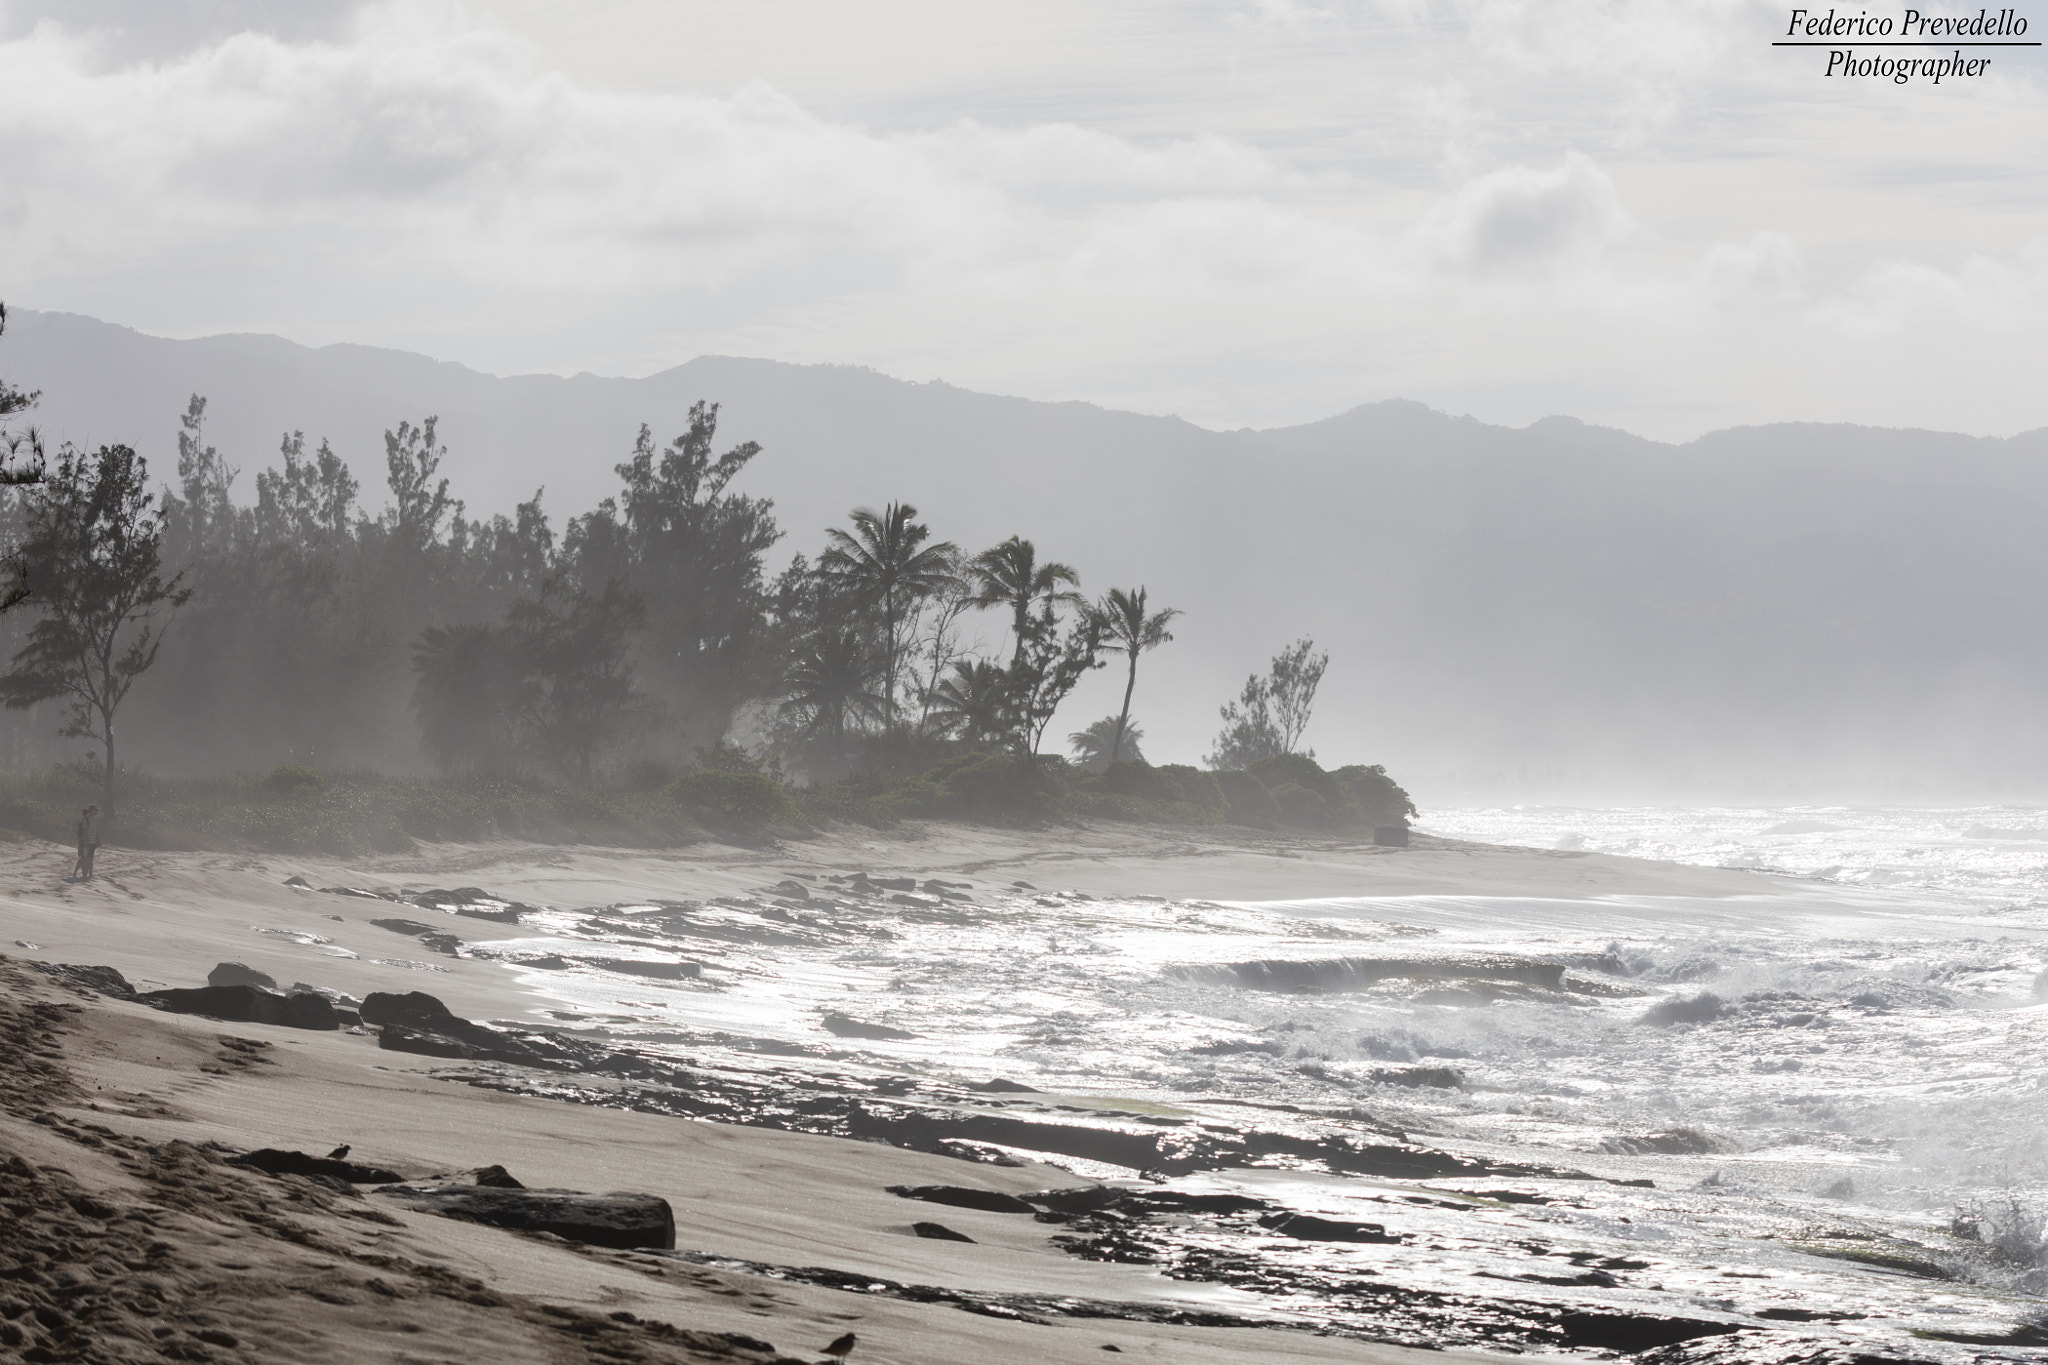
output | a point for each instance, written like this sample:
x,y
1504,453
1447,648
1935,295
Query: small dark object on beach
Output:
x,y
1023,886
999,1086
496,1178
339,1153
299,882
620,1221
842,1026
273,1161
988,1201
842,1347
248,1005
939,1232
791,888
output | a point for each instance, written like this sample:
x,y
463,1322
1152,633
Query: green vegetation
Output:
x,y
295,810
1286,793
638,678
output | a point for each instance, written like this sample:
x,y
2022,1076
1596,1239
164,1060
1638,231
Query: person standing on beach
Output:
x,y
88,840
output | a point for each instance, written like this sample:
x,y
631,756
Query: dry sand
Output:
x,y
129,1239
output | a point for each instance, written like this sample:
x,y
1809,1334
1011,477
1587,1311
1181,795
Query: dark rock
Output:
x,y
427,1043
999,1086
239,974
841,1026
1308,1228
1626,1332
508,914
273,1161
383,1007
496,1178
105,980
410,928
989,1201
791,888
939,1232
893,883
463,1041
338,999
1178,1201
299,882
1414,1077
1083,1199
623,1221
248,1005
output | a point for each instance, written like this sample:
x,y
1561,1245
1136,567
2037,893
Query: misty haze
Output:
x,y
866,683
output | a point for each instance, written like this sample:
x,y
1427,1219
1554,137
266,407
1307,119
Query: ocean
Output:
x,y
1807,1124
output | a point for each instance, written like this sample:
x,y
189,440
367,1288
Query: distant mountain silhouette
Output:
x,y
1793,610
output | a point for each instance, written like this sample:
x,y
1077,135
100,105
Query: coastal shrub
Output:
x,y
1298,770
1139,779
293,779
1379,799
734,802
1303,807
1197,788
1005,788
915,796
1246,800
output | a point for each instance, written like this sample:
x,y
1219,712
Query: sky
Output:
x,y
1244,212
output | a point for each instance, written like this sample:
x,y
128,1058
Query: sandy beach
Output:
x,y
137,1240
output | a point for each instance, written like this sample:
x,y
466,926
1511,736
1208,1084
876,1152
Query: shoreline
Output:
x,y
754,1204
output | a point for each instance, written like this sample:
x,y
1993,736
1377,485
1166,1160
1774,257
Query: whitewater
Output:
x,y
1806,1123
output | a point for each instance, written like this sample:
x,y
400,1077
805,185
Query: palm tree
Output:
x,y
881,562
1127,627
828,681
1092,745
975,701
463,681
1010,575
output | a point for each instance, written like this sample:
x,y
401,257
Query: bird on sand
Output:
x,y
842,1348
338,1153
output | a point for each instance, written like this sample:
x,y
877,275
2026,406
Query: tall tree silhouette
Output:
x,y
91,562
885,561
1127,627
1009,575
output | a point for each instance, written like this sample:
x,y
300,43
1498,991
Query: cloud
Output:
x,y
407,178
1525,221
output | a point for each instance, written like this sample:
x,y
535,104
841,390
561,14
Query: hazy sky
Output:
x,y
1249,212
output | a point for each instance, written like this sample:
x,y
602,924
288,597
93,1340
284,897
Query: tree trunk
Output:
x,y
107,786
1116,746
